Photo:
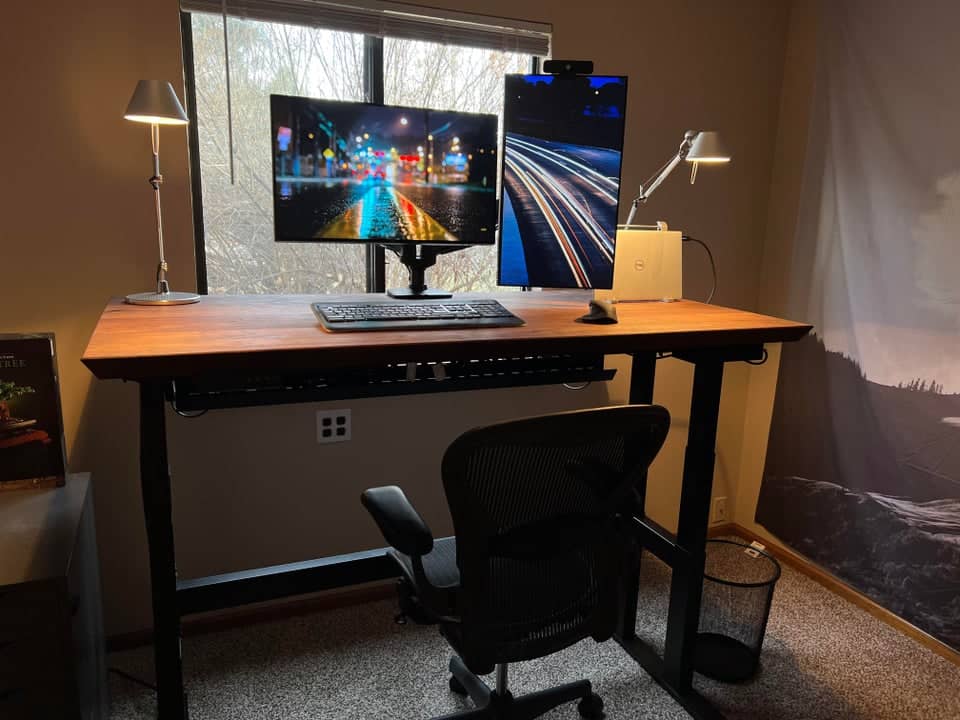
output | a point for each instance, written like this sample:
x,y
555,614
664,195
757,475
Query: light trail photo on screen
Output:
x,y
360,172
561,179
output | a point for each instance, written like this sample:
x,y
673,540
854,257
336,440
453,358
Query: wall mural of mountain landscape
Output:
x,y
864,479
863,466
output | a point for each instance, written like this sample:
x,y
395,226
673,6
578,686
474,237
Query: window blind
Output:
x,y
389,19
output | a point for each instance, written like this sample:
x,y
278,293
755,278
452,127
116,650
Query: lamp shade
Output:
x,y
708,148
154,101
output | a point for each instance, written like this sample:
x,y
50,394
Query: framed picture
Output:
x,y
32,451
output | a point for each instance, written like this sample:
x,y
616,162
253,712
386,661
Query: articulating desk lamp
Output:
x,y
698,146
649,260
155,102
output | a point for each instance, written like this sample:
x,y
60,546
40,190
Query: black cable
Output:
x,y
713,265
132,678
188,413
184,413
761,361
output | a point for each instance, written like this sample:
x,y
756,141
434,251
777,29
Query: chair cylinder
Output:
x,y
502,688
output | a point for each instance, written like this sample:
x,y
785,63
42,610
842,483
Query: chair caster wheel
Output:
x,y
591,707
457,686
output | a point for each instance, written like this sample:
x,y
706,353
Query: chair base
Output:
x,y
499,705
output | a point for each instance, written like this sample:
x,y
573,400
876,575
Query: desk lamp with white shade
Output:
x,y
698,146
156,103
648,264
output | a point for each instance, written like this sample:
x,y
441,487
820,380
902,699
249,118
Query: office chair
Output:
x,y
541,547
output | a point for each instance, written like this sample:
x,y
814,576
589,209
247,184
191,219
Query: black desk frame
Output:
x,y
683,552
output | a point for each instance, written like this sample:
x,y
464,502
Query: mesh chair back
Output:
x,y
536,507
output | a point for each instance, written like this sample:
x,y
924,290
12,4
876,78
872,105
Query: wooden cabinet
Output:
x,y
52,662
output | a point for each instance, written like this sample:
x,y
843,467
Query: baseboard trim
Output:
x,y
217,620
722,529
837,586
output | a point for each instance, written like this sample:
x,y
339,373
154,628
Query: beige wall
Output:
x,y
789,155
252,486
76,226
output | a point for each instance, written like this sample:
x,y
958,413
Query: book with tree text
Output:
x,y
31,424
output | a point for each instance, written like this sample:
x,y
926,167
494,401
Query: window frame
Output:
x,y
373,91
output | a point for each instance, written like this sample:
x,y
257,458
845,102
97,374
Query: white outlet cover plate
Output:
x,y
333,426
719,509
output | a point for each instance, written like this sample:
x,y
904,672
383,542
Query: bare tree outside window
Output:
x,y
449,77
265,58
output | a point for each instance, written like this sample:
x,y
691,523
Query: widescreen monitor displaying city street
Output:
x,y
359,172
561,180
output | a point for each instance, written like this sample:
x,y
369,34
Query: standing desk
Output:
x,y
279,337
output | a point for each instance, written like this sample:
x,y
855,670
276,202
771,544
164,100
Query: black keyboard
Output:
x,y
413,315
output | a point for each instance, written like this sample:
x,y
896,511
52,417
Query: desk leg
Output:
x,y
643,369
683,617
158,514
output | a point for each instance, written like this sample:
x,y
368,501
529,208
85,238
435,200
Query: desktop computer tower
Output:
x,y
648,265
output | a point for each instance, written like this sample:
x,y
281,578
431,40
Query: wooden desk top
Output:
x,y
252,333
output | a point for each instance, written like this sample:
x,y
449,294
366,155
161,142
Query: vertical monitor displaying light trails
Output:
x,y
362,172
561,179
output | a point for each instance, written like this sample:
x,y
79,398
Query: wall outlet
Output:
x,y
719,510
333,426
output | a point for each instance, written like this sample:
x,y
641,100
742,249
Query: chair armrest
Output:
x,y
400,524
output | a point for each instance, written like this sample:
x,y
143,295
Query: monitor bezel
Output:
x,y
502,185
398,242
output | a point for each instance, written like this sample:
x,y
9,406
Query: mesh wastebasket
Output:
x,y
738,583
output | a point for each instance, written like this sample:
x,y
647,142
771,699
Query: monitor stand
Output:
x,y
417,258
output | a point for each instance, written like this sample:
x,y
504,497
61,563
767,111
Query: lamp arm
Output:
x,y
646,190
163,287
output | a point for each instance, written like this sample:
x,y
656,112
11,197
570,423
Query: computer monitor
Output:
x,y
400,176
561,179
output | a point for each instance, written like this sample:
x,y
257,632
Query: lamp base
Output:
x,y
167,298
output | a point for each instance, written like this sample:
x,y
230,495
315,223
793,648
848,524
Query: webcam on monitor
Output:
x,y
573,67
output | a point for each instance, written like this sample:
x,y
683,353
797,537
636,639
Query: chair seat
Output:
x,y
440,565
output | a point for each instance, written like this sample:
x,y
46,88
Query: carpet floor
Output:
x,y
823,658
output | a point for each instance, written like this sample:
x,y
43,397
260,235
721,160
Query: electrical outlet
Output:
x,y
333,426
719,510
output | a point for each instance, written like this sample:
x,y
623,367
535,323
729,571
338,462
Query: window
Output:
x,y
236,251
447,77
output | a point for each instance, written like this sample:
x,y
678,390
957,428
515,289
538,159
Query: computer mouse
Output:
x,y
602,312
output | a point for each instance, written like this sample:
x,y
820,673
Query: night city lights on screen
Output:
x,y
360,172
561,179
